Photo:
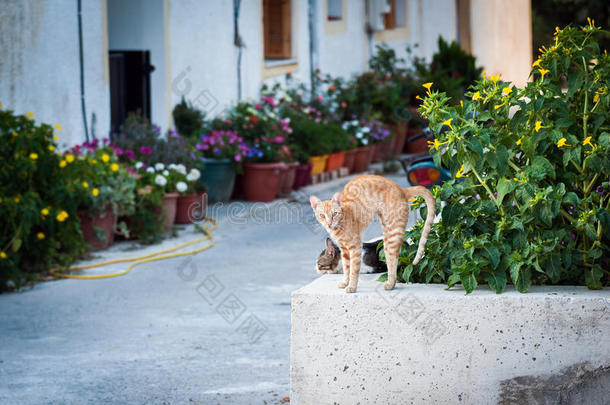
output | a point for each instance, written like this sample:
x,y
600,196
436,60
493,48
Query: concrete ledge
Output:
x,y
422,344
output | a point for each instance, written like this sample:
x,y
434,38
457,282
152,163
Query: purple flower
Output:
x,y
145,150
130,154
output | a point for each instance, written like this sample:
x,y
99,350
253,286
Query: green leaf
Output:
x,y
541,165
514,271
453,280
521,277
493,254
571,198
383,277
553,267
502,159
590,231
504,187
469,282
452,214
593,277
496,280
575,80
16,245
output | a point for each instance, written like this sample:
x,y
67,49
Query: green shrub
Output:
x,y
529,202
40,227
188,119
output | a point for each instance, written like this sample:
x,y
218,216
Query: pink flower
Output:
x,y
320,98
237,157
145,150
279,139
130,154
258,106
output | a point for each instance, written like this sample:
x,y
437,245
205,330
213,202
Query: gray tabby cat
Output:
x,y
328,261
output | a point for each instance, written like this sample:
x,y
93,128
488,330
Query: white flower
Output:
x,y
181,169
150,170
193,175
171,166
181,186
366,130
160,180
165,173
365,141
139,165
159,166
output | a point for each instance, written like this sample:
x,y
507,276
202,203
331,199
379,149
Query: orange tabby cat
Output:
x,y
349,213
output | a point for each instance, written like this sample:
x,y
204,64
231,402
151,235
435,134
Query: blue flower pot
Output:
x,y
218,177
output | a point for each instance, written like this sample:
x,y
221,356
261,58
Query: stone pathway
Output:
x,y
210,328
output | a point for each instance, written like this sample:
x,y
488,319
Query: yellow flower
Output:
x,y
62,216
495,78
95,192
519,140
114,167
85,184
539,125
500,105
58,127
476,96
62,163
92,161
462,103
40,235
543,72
3,255
448,123
460,172
596,98
33,156
51,148
16,199
507,90
30,115
562,142
14,133
419,97
436,144
44,212
105,158
537,63
69,158
587,141
56,138
427,86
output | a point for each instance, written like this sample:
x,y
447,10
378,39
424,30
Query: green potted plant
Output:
x,y
188,119
102,189
192,201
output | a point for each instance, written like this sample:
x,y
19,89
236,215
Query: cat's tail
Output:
x,y
410,192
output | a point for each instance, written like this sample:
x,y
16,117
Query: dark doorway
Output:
x,y
129,85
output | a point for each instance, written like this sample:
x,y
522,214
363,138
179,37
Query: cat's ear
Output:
x,y
330,247
314,201
337,198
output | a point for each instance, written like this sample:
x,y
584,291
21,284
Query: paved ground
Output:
x,y
212,328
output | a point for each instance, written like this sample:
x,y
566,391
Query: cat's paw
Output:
x,y
341,284
388,286
350,289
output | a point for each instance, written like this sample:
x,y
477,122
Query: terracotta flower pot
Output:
x,y
288,177
376,153
261,181
350,155
104,222
362,159
190,208
335,161
168,210
386,149
318,164
400,137
302,175
418,146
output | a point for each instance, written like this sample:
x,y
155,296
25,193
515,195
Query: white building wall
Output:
x,y
39,64
138,25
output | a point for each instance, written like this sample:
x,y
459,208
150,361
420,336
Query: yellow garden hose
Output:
x,y
160,255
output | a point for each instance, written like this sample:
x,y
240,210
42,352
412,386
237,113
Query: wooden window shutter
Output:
x,y
389,19
277,29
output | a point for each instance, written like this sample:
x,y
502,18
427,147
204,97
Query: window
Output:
x,y
277,28
397,16
334,10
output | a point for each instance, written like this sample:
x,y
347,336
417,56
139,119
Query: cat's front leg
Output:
x,y
355,254
346,266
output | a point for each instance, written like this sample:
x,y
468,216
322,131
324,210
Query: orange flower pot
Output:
x,y
261,181
348,162
105,222
190,208
335,161
168,206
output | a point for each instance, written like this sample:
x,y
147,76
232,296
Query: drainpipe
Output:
x,y
82,68
369,29
312,12
238,42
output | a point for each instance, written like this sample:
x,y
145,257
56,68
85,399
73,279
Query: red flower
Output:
x,y
320,98
253,119
332,87
343,104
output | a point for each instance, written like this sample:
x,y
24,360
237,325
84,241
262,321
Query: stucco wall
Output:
x,y
39,64
502,37
138,25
